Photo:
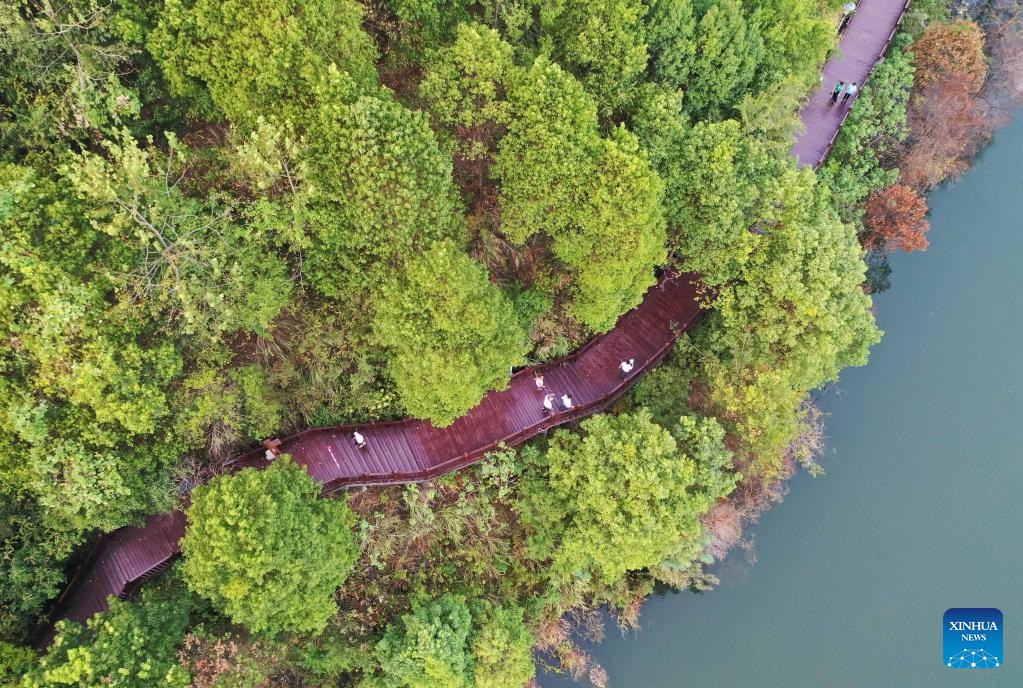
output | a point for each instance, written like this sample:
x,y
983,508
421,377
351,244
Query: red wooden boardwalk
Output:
x,y
410,450
413,450
862,45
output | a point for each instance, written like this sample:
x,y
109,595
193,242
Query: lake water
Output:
x,y
921,507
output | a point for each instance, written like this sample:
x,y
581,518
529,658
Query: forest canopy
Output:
x,y
222,222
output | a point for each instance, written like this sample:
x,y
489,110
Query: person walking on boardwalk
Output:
x,y
627,366
847,14
849,92
548,404
566,401
839,87
538,381
359,440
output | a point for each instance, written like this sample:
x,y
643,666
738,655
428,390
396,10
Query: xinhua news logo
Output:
x,y
972,639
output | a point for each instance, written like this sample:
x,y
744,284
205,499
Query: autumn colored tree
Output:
x,y
895,220
947,119
947,124
949,50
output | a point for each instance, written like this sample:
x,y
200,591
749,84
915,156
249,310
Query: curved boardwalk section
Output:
x,y
414,450
863,43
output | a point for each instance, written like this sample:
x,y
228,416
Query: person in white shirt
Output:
x,y
566,401
548,404
627,366
538,381
850,91
359,440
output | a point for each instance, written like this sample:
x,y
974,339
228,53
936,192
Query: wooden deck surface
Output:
x,y
411,450
862,45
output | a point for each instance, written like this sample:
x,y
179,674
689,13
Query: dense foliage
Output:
x,y
266,551
224,221
445,644
454,335
626,495
132,645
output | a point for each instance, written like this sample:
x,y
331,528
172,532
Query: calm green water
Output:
x,y
920,509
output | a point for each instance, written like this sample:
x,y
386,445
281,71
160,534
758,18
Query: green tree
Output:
x,y
59,77
772,116
194,262
15,662
718,184
797,38
602,43
86,376
266,550
255,57
31,558
728,52
431,22
384,193
548,152
465,88
795,316
428,648
671,40
131,645
597,199
623,496
453,335
503,650
619,237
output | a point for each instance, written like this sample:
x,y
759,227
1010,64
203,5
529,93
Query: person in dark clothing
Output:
x,y
839,87
847,14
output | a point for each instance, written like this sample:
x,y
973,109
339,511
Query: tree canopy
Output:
x,y
454,336
259,57
626,494
266,550
127,646
226,222
448,643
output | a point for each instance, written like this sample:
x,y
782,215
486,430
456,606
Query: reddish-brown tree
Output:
x,y
1003,90
951,50
895,220
947,124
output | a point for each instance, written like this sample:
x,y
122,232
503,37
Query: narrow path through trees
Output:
x,y
863,43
